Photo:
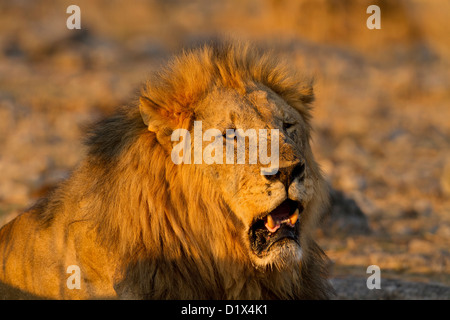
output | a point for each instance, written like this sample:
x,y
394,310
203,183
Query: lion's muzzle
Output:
x,y
289,173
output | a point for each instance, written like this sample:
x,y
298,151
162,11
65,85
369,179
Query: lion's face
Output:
x,y
274,207
237,88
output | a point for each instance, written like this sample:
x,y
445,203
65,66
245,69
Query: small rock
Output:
x,y
344,217
410,214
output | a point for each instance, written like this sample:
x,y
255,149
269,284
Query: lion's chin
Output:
x,y
283,255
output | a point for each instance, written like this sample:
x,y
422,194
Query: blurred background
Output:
x,y
381,117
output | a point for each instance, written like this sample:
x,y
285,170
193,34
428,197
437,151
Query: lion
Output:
x,y
136,225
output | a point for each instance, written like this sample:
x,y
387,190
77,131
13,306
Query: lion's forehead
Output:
x,y
256,109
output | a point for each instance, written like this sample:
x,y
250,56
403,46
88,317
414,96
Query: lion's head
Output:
x,y
235,88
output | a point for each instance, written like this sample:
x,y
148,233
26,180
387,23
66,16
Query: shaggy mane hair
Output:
x,y
190,76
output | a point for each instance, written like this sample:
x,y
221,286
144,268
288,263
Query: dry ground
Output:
x,y
382,114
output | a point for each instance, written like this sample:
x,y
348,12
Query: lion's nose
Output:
x,y
288,174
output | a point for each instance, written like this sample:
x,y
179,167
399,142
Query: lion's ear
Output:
x,y
156,119
145,109
153,115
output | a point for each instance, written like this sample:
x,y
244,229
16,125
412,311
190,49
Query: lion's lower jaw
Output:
x,y
280,258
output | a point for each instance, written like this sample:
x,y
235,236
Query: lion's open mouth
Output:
x,y
279,224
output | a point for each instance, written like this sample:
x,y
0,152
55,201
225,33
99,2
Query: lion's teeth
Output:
x,y
270,222
294,217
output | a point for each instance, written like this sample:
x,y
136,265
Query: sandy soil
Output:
x,y
382,128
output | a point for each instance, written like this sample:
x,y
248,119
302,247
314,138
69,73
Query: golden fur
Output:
x,y
139,226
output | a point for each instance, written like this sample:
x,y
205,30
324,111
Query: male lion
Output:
x,y
139,226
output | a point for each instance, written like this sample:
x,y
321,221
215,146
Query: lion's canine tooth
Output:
x,y
294,217
270,222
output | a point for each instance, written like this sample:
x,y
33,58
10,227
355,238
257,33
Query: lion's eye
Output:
x,y
230,132
287,125
231,135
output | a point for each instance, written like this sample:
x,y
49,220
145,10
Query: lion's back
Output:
x,y
35,256
23,256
